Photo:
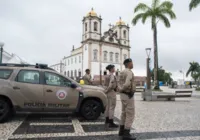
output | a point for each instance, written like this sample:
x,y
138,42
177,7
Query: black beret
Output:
x,y
127,60
87,70
110,67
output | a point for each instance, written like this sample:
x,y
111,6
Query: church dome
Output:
x,y
92,13
120,22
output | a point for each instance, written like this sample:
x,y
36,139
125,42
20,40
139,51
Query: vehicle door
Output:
x,y
28,89
58,93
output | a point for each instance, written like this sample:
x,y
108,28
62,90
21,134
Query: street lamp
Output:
x,y
1,53
183,75
148,51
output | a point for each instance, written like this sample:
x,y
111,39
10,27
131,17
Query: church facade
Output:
x,y
98,49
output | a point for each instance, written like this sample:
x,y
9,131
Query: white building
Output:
x,y
98,49
12,58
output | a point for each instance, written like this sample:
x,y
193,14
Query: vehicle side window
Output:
x,y
56,80
28,76
5,73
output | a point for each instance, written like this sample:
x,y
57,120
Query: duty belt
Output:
x,y
129,94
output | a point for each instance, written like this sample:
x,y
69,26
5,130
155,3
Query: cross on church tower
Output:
x,y
110,26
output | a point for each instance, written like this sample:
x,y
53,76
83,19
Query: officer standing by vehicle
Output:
x,y
110,89
87,78
127,89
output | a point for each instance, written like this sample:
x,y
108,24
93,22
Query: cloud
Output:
x,y
44,31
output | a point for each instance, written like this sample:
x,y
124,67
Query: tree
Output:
x,y
194,4
163,76
157,12
194,71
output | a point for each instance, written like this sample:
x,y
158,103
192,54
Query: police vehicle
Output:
x,y
38,88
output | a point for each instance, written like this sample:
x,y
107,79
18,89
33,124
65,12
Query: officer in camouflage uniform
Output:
x,y
87,78
110,89
127,89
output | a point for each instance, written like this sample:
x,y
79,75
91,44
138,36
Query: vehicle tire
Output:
x,y
91,109
5,110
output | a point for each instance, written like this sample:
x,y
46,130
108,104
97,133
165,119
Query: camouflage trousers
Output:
x,y
111,104
128,111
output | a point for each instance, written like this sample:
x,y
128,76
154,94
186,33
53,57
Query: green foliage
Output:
x,y
157,12
194,4
163,76
198,89
194,70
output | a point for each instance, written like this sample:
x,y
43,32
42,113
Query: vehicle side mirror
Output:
x,y
73,85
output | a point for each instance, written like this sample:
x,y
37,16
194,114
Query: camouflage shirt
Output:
x,y
87,79
126,81
110,83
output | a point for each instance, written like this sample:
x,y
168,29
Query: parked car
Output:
x,y
38,88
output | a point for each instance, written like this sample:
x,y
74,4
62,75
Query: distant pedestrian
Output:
x,y
110,90
87,77
127,89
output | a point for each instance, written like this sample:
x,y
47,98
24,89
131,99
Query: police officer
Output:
x,y
110,89
127,88
87,77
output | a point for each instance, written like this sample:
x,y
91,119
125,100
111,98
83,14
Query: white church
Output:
x,y
98,48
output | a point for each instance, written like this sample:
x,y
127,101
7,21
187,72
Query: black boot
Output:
x,y
112,124
107,120
121,130
127,135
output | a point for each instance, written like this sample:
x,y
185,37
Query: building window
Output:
x,y
124,33
125,56
71,60
75,60
85,47
95,54
71,73
68,73
65,63
75,73
79,73
105,54
117,57
79,59
116,33
111,56
68,62
65,73
95,26
85,26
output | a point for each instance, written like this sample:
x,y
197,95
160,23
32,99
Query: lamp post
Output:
x,y
1,53
183,76
148,81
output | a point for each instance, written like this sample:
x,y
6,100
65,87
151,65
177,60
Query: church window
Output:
x,y
95,54
85,26
111,56
79,59
105,54
125,56
68,73
71,60
65,73
117,57
71,73
75,60
95,26
75,74
124,33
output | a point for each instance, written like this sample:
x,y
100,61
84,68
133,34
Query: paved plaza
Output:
x,y
179,120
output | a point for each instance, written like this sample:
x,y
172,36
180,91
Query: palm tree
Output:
x,y
194,4
194,70
157,12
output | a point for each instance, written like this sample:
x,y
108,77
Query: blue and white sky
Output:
x,y
45,30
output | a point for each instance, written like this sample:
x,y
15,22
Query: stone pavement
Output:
x,y
179,120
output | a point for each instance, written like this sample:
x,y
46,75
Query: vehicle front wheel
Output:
x,y
5,110
91,109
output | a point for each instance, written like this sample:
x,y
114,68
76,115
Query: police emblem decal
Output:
x,y
61,94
